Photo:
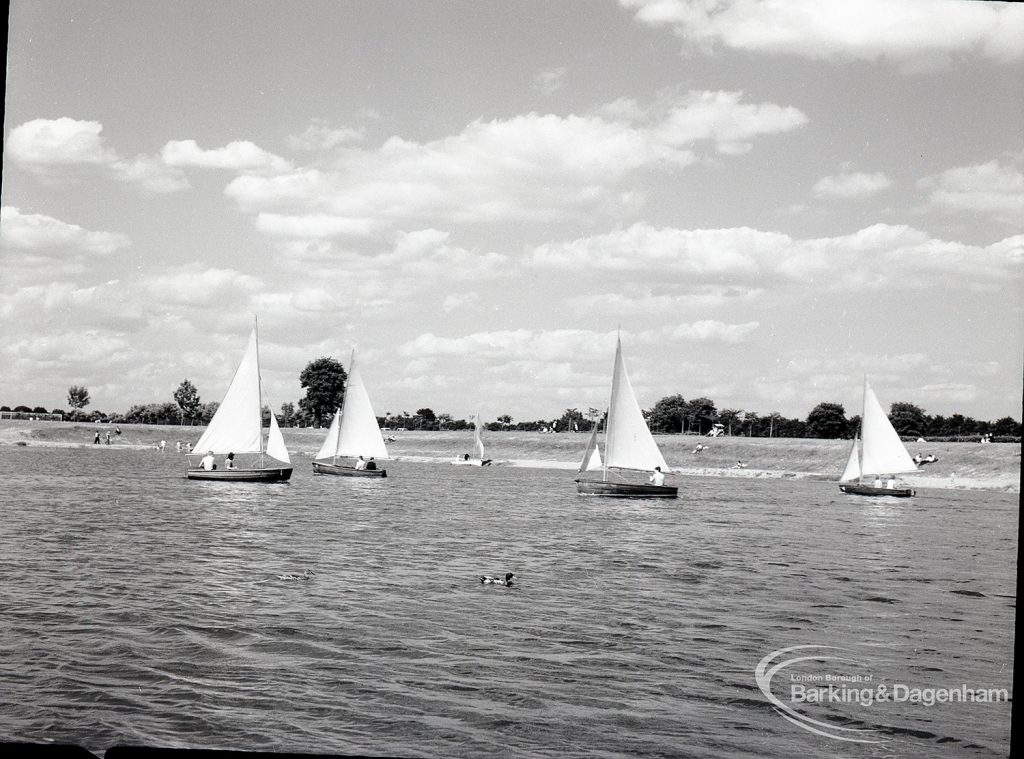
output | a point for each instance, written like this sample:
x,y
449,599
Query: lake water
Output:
x,y
141,608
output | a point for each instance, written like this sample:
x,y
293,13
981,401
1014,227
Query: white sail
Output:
x,y
852,471
628,441
359,433
329,449
592,455
236,427
477,441
882,450
275,442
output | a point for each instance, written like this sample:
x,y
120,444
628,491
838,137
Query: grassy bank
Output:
x,y
994,466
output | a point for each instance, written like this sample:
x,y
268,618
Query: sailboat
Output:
x,y
879,454
237,428
478,444
628,445
354,432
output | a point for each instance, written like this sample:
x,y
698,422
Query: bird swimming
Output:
x,y
488,580
306,574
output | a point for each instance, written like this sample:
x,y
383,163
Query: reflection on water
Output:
x,y
141,607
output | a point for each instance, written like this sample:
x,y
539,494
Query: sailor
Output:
x,y
658,477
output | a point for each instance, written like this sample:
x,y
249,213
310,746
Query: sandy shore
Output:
x,y
966,466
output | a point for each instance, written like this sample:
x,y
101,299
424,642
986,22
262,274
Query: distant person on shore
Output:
x,y
108,437
739,465
177,446
230,463
657,477
163,444
700,447
208,463
96,440
117,430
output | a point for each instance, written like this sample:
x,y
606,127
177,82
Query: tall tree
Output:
x,y
668,414
908,419
700,415
324,380
287,414
827,420
78,398
187,399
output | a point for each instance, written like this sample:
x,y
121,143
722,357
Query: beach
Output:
x,y
962,466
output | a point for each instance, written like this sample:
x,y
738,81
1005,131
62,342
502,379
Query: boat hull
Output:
x,y
320,467
625,489
275,474
854,488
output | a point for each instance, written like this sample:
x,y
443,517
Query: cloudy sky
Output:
x,y
768,199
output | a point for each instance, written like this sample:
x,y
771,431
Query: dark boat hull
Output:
x,y
275,474
625,489
320,467
854,488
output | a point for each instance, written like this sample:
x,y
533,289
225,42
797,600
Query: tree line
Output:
x,y
324,381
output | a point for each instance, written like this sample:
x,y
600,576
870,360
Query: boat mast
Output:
x,y
611,405
341,410
259,385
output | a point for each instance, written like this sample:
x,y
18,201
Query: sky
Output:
x,y
767,201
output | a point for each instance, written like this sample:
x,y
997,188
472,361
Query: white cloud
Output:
x,y
84,348
851,185
319,136
202,287
988,188
528,167
710,330
65,149
914,32
49,236
872,257
508,345
723,119
457,301
241,156
315,226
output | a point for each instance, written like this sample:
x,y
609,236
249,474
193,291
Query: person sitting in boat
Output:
x,y
361,463
890,484
739,465
658,477
230,463
208,463
878,482
371,465
465,457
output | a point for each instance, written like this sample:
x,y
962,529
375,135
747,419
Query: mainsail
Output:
x,y
354,430
882,450
236,426
628,441
477,441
